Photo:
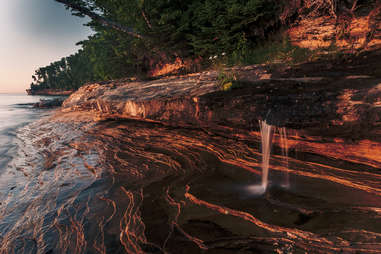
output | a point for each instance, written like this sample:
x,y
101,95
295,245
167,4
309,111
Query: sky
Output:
x,y
34,33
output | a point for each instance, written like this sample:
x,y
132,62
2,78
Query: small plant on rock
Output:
x,y
226,80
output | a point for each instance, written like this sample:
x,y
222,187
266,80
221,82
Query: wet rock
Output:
x,y
49,92
50,103
336,109
341,96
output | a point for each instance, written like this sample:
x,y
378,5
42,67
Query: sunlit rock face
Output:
x,y
336,97
188,176
288,162
126,186
344,32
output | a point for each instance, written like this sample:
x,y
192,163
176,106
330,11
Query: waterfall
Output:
x,y
266,141
284,147
267,132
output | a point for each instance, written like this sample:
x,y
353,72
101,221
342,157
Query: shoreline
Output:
x,y
177,162
49,92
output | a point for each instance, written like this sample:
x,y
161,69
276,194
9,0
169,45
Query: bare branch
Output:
x,y
333,5
354,6
147,20
100,19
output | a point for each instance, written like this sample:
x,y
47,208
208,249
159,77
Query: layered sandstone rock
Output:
x,y
337,110
346,32
333,96
186,169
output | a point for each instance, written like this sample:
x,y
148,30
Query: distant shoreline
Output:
x,y
51,92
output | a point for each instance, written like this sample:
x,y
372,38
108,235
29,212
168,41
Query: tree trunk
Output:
x,y
100,19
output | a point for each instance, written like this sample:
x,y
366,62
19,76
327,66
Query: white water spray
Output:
x,y
266,138
284,147
266,141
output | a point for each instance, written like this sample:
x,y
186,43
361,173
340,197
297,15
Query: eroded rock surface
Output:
x,y
348,32
338,105
169,166
332,96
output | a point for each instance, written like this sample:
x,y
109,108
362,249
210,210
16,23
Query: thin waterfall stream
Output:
x,y
267,133
284,146
117,180
266,142
266,139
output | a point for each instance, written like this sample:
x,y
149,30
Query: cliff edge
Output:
x,y
322,94
336,108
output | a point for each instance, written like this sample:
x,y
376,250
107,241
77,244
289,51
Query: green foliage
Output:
x,y
270,51
68,73
226,79
225,26
169,29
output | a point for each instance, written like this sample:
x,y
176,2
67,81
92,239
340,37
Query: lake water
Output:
x,y
16,111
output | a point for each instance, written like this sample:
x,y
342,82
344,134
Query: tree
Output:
x,y
133,36
87,8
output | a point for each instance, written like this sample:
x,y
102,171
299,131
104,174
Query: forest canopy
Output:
x,y
132,37
166,29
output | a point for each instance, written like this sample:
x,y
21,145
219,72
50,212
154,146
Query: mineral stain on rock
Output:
x,y
281,159
169,165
